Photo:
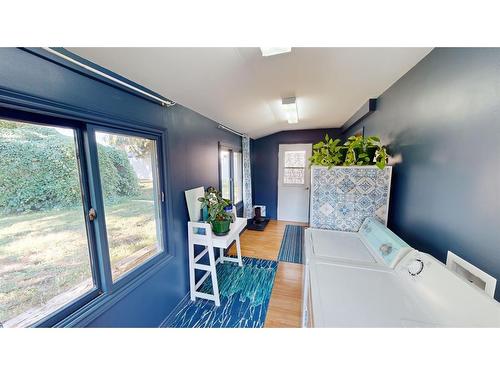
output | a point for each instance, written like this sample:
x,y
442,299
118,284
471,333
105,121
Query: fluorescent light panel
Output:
x,y
271,51
291,111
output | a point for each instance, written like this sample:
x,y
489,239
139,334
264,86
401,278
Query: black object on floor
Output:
x,y
252,224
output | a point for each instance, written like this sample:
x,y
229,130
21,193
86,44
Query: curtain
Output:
x,y
247,178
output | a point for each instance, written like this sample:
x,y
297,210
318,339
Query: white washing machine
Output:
x,y
373,279
374,245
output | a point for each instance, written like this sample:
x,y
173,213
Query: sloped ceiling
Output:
x,y
240,88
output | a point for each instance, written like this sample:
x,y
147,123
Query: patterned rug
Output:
x,y
291,245
244,297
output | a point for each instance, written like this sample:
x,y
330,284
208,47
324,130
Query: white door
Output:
x,y
294,181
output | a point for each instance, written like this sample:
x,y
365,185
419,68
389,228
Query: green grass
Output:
x,y
44,254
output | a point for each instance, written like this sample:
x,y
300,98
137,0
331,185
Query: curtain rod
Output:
x,y
231,130
163,102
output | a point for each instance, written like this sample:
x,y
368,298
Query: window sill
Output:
x,y
91,311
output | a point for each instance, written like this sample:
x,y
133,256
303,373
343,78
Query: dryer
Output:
x,y
374,279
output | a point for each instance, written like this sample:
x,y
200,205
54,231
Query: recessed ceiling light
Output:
x,y
290,108
270,51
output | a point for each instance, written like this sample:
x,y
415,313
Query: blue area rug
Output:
x,y
244,297
291,245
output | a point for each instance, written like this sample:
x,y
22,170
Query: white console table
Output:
x,y
211,241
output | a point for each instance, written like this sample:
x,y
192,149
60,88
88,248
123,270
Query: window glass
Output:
x,y
225,177
44,251
238,177
294,170
295,159
129,179
294,176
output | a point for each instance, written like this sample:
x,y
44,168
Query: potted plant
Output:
x,y
357,150
349,181
365,151
218,217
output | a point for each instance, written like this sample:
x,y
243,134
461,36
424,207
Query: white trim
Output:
x,y
163,102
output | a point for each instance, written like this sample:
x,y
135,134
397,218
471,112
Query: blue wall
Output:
x,y
442,119
264,154
192,160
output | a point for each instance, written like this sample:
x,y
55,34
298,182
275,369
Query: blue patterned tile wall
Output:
x,y
342,197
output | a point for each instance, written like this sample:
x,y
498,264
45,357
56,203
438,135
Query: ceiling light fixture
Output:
x,y
290,107
271,51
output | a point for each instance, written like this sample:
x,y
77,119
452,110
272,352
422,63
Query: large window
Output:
x,y
238,177
44,248
131,200
225,173
231,174
56,221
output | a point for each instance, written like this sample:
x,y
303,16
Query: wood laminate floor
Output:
x,y
285,306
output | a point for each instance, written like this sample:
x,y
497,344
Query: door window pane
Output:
x,y
225,174
295,159
294,170
294,176
44,251
129,179
238,177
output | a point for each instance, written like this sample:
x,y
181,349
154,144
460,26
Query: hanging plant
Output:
x,y
357,150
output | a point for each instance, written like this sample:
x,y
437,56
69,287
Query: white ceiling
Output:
x,y
239,88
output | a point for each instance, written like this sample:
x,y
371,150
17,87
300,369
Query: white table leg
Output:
x,y
213,273
238,250
221,249
192,283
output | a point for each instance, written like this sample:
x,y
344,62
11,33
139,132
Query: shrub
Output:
x,y
38,169
117,174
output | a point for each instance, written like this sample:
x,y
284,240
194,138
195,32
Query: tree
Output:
x,y
140,147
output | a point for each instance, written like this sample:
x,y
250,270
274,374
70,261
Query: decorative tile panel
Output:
x,y
342,197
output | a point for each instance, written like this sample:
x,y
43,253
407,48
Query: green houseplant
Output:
x,y
218,217
357,150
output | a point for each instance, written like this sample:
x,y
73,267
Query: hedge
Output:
x,y
38,169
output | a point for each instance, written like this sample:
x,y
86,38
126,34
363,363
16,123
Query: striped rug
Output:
x,y
244,298
291,246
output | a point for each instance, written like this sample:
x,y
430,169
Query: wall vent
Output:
x,y
471,274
